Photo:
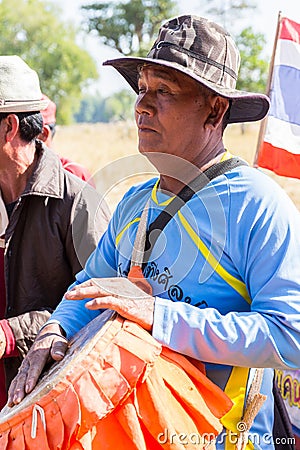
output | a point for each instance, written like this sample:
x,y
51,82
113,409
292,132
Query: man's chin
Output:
x,y
171,165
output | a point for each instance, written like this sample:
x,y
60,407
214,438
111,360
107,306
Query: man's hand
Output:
x,y
132,304
49,343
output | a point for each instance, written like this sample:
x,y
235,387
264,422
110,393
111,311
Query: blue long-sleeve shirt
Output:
x,y
225,272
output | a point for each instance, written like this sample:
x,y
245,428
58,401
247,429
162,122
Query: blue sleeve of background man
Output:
x,y
264,244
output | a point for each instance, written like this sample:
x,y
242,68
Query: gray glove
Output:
x,y
25,327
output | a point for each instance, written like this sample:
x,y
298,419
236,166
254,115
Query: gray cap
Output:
x,y
19,86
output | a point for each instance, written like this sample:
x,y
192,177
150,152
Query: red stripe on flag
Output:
x,y
290,30
279,161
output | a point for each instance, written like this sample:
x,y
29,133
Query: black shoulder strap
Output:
x,y
183,197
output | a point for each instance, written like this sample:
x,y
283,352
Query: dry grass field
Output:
x,y
109,151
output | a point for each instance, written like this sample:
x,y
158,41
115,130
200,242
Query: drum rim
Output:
x,y
43,386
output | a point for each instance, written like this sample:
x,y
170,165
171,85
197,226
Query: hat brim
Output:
x,y
23,106
245,106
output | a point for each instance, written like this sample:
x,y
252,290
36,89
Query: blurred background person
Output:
x,y
47,135
50,219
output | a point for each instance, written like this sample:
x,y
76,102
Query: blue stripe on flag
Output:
x,y
285,94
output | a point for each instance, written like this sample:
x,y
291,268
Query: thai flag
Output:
x,y
280,149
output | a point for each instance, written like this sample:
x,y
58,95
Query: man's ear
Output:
x,y
12,127
219,106
45,134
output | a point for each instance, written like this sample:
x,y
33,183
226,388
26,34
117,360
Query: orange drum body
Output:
x,y
116,389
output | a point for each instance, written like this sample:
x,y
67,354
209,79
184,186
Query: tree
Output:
x,y
94,108
120,105
228,11
91,109
49,46
128,26
254,69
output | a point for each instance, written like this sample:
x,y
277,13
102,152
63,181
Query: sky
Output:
x,y
263,19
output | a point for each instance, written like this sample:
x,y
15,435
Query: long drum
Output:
x,y
117,388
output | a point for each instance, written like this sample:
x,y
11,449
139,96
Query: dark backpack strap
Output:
x,y
183,197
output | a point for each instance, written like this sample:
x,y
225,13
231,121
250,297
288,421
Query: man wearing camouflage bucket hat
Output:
x,y
213,241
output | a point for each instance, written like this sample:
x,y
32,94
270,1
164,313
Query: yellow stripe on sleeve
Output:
x,y
118,238
235,283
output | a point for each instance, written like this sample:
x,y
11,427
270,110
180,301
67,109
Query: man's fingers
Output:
x,y
140,311
16,391
82,292
37,364
35,369
27,377
87,283
107,302
49,345
58,350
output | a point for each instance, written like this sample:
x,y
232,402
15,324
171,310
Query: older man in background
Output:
x,y
51,219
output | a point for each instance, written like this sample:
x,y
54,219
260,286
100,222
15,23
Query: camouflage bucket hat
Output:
x,y
204,51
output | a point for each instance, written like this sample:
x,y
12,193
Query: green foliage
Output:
x,y
128,26
95,108
91,108
120,106
227,12
254,69
32,29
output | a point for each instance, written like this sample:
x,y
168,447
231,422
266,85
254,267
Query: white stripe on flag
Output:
x,y
287,54
282,134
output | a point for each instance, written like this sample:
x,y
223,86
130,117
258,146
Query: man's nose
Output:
x,y
145,103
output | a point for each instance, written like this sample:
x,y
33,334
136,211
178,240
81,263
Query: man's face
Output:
x,y
170,113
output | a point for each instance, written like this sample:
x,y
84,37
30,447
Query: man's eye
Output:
x,y
163,91
142,90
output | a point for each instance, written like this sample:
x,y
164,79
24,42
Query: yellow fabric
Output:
x,y
118,238
227,155
236,391
236,284
154,196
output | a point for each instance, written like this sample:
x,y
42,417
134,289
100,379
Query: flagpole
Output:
x,y
263,123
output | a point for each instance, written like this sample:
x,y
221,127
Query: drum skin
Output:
x,y
117,388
